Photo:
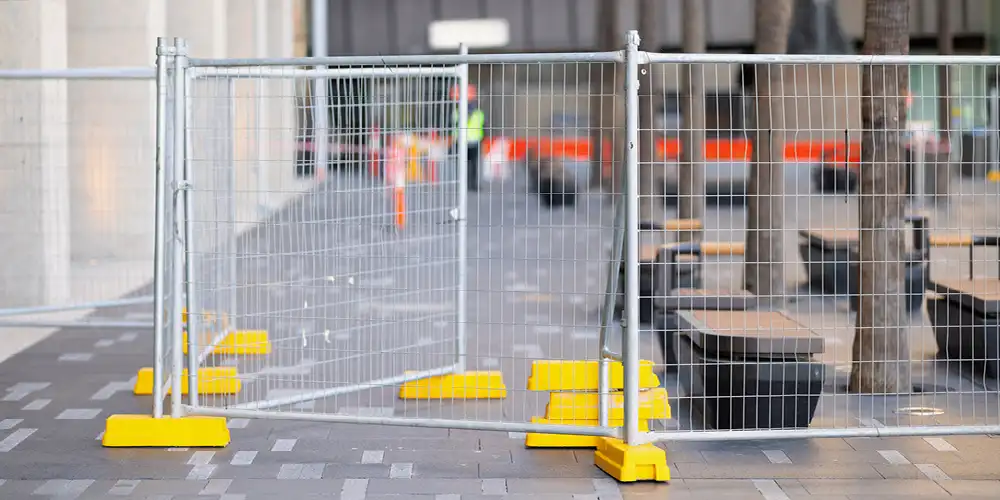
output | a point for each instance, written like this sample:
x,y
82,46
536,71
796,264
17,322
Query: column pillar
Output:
x,y
112,130
34,186
283,103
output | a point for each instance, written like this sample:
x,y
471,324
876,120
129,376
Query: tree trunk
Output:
x,y
764,267
603,102
691,171
651,170
881,348
946,47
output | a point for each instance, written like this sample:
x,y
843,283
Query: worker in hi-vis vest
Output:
x,y
474,133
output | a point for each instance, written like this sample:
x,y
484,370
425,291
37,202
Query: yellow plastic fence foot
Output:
x,y
240,342
144,431
468,385
629,464
653,403
211,380
993,176
572,375
542,440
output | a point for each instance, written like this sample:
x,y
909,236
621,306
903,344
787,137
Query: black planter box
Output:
x,y
840,178
965,315
760,376
829,178
685,299
832,264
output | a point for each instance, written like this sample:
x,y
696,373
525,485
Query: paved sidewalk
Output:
x,y
55,396
59,391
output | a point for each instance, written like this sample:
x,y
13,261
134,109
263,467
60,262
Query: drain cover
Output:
x,y
920,411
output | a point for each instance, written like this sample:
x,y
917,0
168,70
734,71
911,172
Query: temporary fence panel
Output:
x,y
830,203
386,295
394,294
77,227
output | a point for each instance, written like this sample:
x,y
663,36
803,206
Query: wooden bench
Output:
x,y
965,314
750,369
831,257
687,299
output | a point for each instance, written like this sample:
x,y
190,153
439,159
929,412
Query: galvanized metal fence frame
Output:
x,y
176,200
625,245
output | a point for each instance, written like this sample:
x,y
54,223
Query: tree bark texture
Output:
x,y
946,46
691,170
651,169
605,81
764,266
881,348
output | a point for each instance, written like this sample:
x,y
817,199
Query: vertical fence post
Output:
x,y
463,201
630,345
159,225
190,302
177,285
232,232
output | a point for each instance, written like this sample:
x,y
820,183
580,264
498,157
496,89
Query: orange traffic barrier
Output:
x,y
737,149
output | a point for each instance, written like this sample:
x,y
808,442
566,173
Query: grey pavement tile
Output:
x,y
332,454
405,497
524,496
286,489
742,457
969,489
494,470
424,457
362,444
545,456
550,486
902,444
899,471
168,487
445,470
19,471
385,486
824,456
356,471
253,471
937,457
354,431
776,471
162,471
972,470
15,488
901,487
974,444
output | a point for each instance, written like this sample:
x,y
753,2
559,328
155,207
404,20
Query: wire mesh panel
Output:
x,y
815,278
441,272
78,211
352,275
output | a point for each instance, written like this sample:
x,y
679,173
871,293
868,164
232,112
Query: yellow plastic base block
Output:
x,y
653,403
211,380
240,342
144,431
629,464
560,375
208,317
993,176
468,385
541,440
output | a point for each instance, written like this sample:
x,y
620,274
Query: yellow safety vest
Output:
x,y
474,127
